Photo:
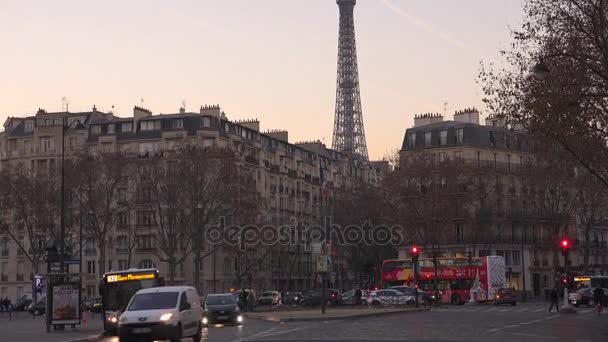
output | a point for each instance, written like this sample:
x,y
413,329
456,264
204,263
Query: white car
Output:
x,y
162,313
388,297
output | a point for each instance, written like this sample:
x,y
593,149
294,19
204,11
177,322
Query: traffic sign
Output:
x,y
38,283
72,262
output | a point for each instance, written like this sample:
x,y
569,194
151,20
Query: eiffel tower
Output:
x,y
349,135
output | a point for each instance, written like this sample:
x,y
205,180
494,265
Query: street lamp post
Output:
x,y
62,210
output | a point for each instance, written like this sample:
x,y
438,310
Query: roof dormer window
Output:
x,y
29,125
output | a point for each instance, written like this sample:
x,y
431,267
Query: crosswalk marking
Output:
x,y
515,309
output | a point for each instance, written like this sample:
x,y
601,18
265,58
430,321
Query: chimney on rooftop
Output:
x,y
427,119
469,115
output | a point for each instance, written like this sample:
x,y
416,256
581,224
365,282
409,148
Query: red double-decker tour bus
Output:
x,y
457,278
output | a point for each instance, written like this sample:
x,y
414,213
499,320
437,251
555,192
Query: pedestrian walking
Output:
x,y
554,297
358,296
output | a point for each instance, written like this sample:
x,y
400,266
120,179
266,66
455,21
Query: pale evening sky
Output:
x,y
274,60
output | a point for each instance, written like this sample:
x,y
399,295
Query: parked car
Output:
x,y
270,298
22,303
410,291
334,296
161,313
505,296
93,305
221,308
293,297
584,296
348,297
313,297
388,297
39,308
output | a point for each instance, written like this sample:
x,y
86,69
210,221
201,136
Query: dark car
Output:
x,y
423,297
505,296
584,296
313,297
38,308
334,296
221,309
293,297
93,305
22,303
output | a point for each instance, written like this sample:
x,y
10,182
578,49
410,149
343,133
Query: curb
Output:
x,y
87,338
332,318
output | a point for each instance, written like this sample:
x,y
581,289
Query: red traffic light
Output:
x,y
564,243
564,280
414,250
416,285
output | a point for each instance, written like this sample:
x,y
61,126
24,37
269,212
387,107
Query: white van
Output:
x,y
162,313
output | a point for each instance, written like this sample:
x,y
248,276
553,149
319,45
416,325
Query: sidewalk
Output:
x,y
331,313
24,328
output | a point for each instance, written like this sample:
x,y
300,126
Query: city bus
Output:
x,y
591,281
457,278
117,288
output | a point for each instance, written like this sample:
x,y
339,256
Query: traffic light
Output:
x,y
564,245
564,280
414,254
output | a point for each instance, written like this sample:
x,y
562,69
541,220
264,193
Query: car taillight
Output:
x,y
333,295
497,296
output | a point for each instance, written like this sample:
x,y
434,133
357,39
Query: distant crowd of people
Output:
x,y
6,305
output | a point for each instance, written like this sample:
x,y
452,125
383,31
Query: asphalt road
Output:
x,y
522,323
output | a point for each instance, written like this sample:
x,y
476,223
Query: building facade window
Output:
x,y
411,140
96,129
152,125
146,241
29,125
126,127
516,258
46,144
206,122
111,129
459,233
442,156
443,138
178,123
91,267
460,135
123,219
458,155
122,264
427,138
146,263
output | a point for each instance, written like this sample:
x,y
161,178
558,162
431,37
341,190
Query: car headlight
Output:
x,y
239,318
112,318
166,317
205,320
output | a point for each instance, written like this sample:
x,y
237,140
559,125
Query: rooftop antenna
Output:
x,y
184,104
65,104
445,109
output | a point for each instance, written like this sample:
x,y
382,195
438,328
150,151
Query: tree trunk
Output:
x,y
102,256
172,265
197,272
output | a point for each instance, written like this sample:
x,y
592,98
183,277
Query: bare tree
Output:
x,y
97,179
30,211
568,40
591,212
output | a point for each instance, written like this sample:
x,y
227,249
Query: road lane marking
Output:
x,y
533,335
520,324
